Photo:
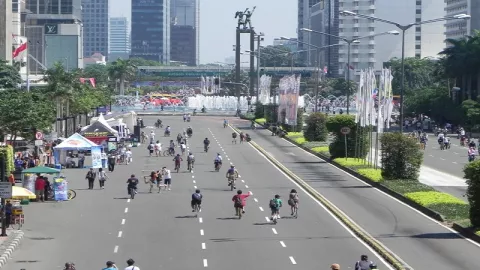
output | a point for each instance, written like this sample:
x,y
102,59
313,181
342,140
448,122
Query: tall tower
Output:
x,y
119,38
95,27
185,35
6,30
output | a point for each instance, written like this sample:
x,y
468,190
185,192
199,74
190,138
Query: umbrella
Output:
x,y
22,193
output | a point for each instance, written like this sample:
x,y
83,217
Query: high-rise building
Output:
x,y
6,31
119,44
151,30
290,44
95,27
456,29
185,31
304,22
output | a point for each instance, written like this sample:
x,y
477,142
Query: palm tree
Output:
x,y
122,70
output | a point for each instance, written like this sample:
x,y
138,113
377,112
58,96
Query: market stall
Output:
x,y
100,132
30,175
76,142
58,186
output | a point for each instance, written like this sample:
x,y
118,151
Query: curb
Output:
x,y
11,246
386,254
181,113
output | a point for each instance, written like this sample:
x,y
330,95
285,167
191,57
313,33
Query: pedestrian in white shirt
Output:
x,y
129,156
183,147
152,136
158,148
103,157
167,178
131,265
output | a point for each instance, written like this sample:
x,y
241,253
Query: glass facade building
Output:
x,y
95,27
119,38
185,30
183,37
151,30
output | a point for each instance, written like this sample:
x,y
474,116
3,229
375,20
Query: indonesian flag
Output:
x,y
20,49
91,80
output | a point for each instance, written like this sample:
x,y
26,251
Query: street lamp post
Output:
x,y
404,28
349,44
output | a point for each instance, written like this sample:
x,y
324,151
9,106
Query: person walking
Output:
x,y
40,188
335,266
131,265
102,177
91,178
111,162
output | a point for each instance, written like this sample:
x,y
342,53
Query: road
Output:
x,y
159,231
402,229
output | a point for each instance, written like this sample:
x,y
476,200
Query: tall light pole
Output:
x,y
349,43
404,28
259,38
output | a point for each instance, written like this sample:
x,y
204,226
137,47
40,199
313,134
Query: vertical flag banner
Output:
x,y
96,157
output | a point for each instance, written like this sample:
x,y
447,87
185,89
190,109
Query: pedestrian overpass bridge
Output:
x,y
210,71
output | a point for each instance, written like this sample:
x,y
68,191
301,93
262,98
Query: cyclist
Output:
x,y
197,200
225,123
177,160
171,149
293,200
234,137
167,131
363,264
217,161
132,184
190,160
239,200
183,146
179,138
231,175
189,131
242,137
275,205
206,144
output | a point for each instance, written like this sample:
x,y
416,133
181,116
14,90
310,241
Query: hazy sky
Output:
x,y
275,18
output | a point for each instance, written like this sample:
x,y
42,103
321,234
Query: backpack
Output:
x,y
273,203
238,201
90,175
234,135
197,196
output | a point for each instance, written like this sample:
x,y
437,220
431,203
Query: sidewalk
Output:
x,y
8,245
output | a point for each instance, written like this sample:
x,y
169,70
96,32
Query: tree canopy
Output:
x,y
9,76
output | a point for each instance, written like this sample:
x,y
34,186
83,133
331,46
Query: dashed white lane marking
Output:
x,y
201,232
194,181
261,209
126,210
231,163
120,234
205,263
431,155
283,244
246,186
200,220
267,219
115,250
454,162
195,187
228,159
128,200
243,181
204,246
255,199
123,221
239,176
193,176
455,153
292,260
274,231
442,158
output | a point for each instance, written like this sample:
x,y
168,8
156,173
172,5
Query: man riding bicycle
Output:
x,y
132,184
217,161
177,160
190,160
171,149
232,175
206,143
189,131
167,131
197,200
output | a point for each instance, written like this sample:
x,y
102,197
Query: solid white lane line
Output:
x,y
204,246
126,209
128,200
119,234
274,231
200,220
115,250
246,186
205,263
195,187
201,232
255,199
261,209
267,219
292,260
123,221
283,244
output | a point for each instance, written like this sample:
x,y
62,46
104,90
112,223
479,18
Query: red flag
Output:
x,y
92,81
350,66
20,49
82,80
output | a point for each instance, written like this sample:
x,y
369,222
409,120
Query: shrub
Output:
x,y
261,121
299,126
337,147
299,140
7,153
320,149
373,174
351,162
472,174
270,113
316,129
259,110
401,156
426,198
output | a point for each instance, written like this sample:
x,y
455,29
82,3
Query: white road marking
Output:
x,y
115,250
283,244
255,199
455,153
200,220
226,156
246,186
194,182
454,162
128,200
204,246
442,158
201,232
228,159
119,234
205,263
126,210
239,176
292,260
195,187
193,176
274,231
267,219
431,155
243,181
231,163
123,221
261,209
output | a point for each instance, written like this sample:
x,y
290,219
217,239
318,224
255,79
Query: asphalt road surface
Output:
x,y
159,231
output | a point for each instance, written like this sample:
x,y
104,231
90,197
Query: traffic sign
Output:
x,y
39,135
38,142
5,190
345,130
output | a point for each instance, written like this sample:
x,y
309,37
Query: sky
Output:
x,y
275,18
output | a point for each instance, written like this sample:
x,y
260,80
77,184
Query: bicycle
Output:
x,y
196,208
190,166
132,192
234,140
177,167
169,152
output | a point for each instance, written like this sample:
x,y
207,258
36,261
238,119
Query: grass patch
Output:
x,y
373,174
427,198
452,212
261,121
292,135
319,149
312,145
406,186
299,140
351,162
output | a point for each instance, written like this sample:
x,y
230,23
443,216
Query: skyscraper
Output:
x,y
95,27
304,22
151,30
185,38
456,29
6,31
119,38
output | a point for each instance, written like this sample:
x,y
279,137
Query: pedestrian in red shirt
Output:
x,y
239,202
40,188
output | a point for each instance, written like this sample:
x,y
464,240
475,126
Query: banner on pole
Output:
x,y
96,157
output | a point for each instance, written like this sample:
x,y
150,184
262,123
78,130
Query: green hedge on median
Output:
x,y
337,147
401,156
472,174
